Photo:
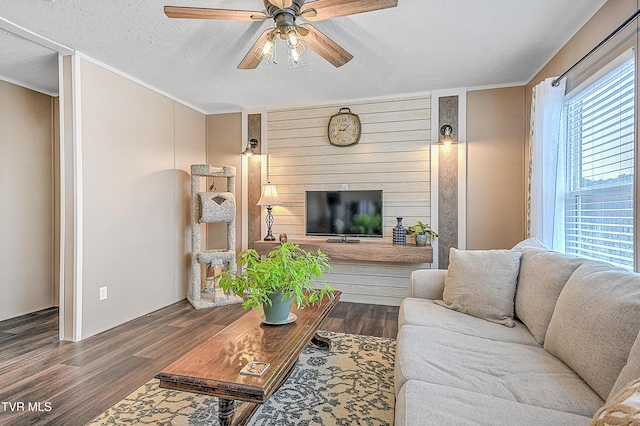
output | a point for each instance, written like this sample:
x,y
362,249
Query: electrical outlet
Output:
x,y
103,293
345,186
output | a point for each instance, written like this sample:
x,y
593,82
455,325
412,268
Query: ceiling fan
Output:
x,y
284,14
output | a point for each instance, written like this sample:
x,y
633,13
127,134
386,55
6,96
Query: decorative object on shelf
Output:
x,y
282,237
447,139
423,233
269,198
344,128
286,271
251,145
399,234
422,240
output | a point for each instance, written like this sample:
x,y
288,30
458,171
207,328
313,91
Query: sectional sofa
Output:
x,y
525,336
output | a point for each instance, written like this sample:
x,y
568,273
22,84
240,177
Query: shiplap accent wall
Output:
x,y
393,155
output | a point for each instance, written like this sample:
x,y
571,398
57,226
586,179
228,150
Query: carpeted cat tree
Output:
x,y
212,207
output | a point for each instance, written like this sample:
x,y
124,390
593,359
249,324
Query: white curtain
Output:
x,y
546,166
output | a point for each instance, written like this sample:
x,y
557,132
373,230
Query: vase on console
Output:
x,y
422,240
399,234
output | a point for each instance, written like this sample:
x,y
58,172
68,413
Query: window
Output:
x,y
598,127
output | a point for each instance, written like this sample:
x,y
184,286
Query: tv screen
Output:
x,y
350,213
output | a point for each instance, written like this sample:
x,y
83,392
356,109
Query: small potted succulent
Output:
x,y
423,233
272,283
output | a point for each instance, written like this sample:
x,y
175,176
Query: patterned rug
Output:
x,y
350,385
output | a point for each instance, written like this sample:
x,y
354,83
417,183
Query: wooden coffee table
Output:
x,y
213,368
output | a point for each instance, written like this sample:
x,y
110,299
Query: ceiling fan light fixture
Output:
x,y
297,47
267,49
266,52
293,37
284,14
296,60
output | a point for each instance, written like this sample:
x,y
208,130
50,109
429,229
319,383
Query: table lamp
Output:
x,y
269,198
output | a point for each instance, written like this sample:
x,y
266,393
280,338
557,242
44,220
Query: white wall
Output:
x,y
26,201
393,155
137,148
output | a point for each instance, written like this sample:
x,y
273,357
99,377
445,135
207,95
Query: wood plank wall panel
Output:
x,y
393,155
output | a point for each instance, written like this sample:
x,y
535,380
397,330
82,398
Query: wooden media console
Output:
x,y
371,252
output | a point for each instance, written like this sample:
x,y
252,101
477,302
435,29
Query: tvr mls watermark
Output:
x,y
26,406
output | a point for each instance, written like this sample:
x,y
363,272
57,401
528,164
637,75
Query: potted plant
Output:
x,y
423,233
273,282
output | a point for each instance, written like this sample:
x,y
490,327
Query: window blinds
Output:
x,y
599,124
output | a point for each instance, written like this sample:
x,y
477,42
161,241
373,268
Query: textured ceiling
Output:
x,y
28,64
417,46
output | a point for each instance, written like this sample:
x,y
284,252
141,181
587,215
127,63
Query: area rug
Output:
x,y
350,385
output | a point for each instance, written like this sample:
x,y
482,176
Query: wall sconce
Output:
x,y
251,145
446,138
269,198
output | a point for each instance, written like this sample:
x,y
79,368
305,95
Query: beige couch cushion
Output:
x,y
427,283
482,283
595,323
421,403
424,312
543,274
529,243
514,372
630,371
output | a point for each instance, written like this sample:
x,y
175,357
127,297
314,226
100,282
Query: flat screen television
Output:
x,y
344,213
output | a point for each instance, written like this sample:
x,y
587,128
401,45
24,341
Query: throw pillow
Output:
x,y
543,274
622,409
595,323
482,283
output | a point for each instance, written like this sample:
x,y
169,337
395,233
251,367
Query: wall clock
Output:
x,y
344,128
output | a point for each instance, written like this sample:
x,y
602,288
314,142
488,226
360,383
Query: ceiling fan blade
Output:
x,y
326,47
250,61
302,31
308,14
259,16
327,9
281,4
204,13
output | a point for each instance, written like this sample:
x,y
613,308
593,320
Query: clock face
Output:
x,y
344,129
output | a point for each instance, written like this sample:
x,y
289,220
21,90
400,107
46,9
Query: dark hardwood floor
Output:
x,y
44,381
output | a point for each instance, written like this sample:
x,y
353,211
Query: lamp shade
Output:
x,y
269,196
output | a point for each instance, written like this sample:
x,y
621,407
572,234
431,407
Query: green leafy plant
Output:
x,y
287,269
421,228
